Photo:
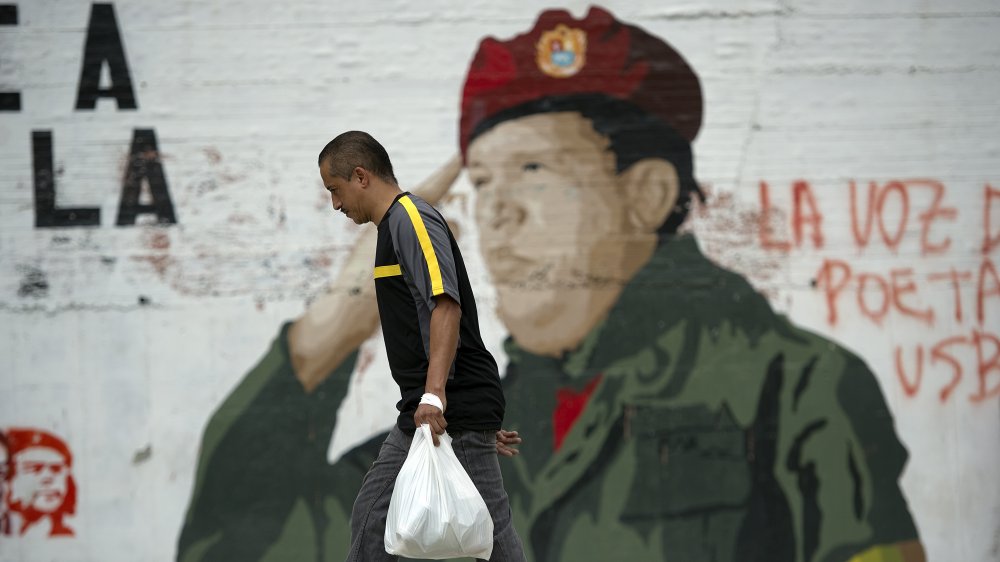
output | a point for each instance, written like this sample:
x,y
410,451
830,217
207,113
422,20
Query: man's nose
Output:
x,y
337,204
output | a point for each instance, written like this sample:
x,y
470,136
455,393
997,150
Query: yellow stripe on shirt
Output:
x,y
437,285
387,271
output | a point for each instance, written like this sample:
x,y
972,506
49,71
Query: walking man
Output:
x,y
446,377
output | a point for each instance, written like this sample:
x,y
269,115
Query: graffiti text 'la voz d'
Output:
x,y
881,216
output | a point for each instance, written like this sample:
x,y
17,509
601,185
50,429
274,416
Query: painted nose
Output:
x,y
507,216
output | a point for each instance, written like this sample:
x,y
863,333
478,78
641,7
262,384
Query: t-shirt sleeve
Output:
x,y
423,247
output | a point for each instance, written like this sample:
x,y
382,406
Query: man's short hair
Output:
x,y
634,134
357,149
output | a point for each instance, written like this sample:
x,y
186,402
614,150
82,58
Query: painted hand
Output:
x,y
320,339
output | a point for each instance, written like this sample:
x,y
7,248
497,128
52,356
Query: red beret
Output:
x,y
596,55
19,439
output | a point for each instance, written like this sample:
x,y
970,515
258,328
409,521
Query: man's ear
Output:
x,y
362,175
651,187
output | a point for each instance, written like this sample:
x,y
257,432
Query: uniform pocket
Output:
x,y
688,460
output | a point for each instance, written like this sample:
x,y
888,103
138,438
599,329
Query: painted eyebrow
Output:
x,y
512,158
536,156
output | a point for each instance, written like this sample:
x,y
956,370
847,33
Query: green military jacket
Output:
x,y
706,428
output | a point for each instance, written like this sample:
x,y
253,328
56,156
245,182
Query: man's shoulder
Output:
x,y
410,212
416,200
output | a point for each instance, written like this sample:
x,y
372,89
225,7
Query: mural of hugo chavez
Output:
x,y
667,412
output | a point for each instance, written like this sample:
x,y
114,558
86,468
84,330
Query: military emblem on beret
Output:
x,y
562,52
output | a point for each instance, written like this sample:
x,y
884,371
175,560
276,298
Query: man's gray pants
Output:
x,y
476,451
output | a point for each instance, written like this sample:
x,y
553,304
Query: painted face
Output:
x,y
40,479
345,195
552,225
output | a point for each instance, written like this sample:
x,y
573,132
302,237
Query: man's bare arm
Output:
x,y
445,319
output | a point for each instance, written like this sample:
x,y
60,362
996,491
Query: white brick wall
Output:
x,y
243,93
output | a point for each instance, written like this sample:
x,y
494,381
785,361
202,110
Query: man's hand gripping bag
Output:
x,y
435,511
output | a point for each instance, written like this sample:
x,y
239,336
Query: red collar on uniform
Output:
x,y
569,405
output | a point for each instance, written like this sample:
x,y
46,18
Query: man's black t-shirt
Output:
x,y
417,259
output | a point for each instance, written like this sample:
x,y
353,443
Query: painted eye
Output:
x,y
531,167
478,182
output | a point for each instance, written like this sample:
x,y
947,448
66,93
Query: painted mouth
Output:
x,y
505,265
50,495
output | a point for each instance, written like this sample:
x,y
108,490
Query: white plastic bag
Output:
x,y
435,511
